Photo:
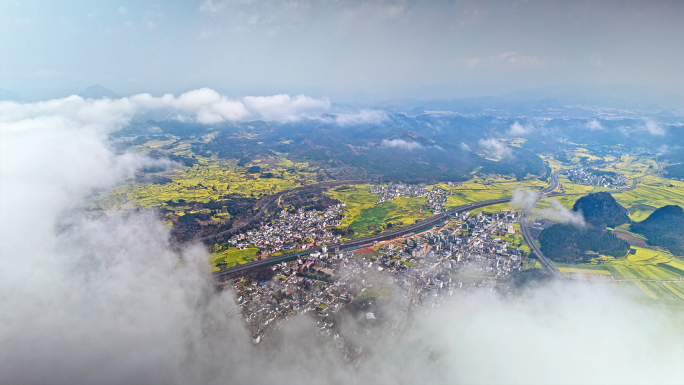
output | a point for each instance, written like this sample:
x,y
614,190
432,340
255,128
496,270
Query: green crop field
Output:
x,y
657,274
362,214
574,188
233,256
476,190
633,166
652,192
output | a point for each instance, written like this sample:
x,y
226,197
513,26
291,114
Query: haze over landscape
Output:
x,y
389,192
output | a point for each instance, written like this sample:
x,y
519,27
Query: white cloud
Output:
x,y
122,10
496,147
654,128
205,105
594,125
524,198
518,129
558,212
465,147
401,144
285,108
361,117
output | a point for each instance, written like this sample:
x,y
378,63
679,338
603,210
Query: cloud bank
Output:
x,y
107,300
202,105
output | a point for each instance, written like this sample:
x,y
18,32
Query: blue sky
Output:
x,y
339,49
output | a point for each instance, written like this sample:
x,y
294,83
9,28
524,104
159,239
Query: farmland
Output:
x,y
232,256
657,274
476,190
651,192
367,218
209,179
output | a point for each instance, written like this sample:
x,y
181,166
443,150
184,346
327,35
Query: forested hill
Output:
x,y
664,227
601,208
569,244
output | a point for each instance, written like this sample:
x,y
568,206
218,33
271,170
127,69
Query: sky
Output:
x,y
338,49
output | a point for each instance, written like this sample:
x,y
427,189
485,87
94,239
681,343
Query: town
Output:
x,y
593,177
460,254
292,231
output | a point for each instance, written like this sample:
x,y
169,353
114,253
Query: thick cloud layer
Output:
x,y
112,300
203,105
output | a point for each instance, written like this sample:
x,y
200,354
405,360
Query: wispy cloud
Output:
x,y
361,117
654,128
594,125
496,147
561,213
401,144
518,129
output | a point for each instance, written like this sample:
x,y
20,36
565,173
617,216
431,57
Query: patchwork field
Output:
x,y
475,190
209,179
657,274
367,218
652,192
633,166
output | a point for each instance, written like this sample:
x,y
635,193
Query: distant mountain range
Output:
x,y
10,96
98,92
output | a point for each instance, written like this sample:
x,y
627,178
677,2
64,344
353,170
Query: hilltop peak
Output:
x,y
98,92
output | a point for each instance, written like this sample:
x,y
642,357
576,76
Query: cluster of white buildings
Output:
x,y
436,197
589,178
293,230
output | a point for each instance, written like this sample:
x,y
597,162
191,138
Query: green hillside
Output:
x,y
664,227
601,207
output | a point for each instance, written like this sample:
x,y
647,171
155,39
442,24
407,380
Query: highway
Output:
x,y
525,226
